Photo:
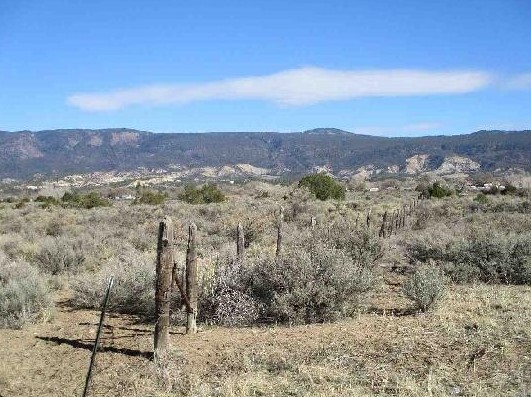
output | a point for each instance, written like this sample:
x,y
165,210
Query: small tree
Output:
x,y
323,186
209,193
439,191
150,197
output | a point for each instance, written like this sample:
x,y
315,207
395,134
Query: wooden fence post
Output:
x,y
369,218
191,280
240,241
163,284
312,223
279,230
382,228
397,221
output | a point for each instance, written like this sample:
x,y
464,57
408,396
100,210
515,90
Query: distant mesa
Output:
x,y
25,154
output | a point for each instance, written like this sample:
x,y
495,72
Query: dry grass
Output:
x,y
477,342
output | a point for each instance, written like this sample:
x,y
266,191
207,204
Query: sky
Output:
x,y
390,68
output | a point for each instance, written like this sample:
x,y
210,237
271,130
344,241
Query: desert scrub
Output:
x,y
425,287
307,286
25,297
225,296
480,254
133,290
59,255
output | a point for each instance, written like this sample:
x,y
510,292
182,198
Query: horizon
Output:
x,y
402,70
339,131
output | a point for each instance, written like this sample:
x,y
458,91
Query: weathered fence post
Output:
x,y
312,223
191,280
279,230
163,284
240,241
382,228
397,221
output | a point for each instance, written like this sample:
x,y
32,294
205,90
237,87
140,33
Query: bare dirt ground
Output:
x,y
477,344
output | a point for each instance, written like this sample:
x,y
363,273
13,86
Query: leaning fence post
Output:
x,y
191,280
97,341
163,284
240,241
279,230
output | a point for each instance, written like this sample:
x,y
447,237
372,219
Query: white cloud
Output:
x,y
519,82
296,87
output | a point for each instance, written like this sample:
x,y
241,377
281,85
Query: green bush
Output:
x,y
481,198
88,201
323,186
425,287
25,297
206,194
47,201
150,197
439,191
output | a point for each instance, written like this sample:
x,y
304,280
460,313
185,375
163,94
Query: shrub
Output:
x,y
481,198
24,295
150,197
58,256
323,186
88,201
225,296
306,286
133,290
426,287
509,189
480,255
439,191
207,194
47,201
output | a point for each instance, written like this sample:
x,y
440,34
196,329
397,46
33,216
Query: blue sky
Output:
x,y
394,68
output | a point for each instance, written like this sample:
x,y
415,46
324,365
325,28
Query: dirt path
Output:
x,y
52,359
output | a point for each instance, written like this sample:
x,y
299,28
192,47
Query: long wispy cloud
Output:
x,y
295,87
519,82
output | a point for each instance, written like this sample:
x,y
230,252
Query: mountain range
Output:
x,y
23,154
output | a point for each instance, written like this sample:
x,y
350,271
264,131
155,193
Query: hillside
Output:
x,y
59,152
